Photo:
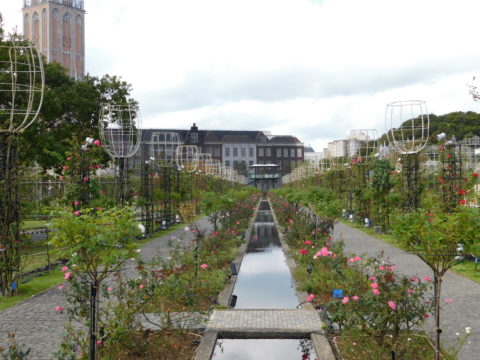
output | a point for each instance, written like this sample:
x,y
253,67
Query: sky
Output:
x,y
315,69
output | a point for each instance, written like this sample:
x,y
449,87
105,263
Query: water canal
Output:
x,y
264,282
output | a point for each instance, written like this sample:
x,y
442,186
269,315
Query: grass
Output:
x,y
33,287
465,269
33,224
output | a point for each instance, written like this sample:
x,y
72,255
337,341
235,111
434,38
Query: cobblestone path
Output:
x,y
35,321
463,312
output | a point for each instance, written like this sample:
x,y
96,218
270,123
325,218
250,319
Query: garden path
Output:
x,y
463,312
35,321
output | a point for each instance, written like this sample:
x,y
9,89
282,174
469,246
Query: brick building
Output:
x,y
57,28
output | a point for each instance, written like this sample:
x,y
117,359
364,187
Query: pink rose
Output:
x,y
345,300
59,308
392,305
310,298
376,292
77,213
355,297
204,266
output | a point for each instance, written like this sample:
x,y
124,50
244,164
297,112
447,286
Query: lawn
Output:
x,y
33,287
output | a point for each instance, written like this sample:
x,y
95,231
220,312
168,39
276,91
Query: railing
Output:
x,y
78,4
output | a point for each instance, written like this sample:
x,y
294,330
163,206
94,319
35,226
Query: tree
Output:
x,y
434,238
71,109
98,243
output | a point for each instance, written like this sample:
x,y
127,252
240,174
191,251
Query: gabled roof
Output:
x,y
285,139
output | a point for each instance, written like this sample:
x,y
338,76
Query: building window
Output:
x,y
227,162
227,151
235,164
285,152
250,152
268,152
235,152
194,137
299,152
279,153
243,151
292,152
250,163
216,151
260,151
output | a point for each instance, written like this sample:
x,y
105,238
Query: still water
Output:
x,y
264,349
264,280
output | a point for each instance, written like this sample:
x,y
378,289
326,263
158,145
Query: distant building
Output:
x,y
239,149
286,151
338,148
57,28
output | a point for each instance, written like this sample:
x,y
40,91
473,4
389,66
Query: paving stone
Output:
x,y
292,321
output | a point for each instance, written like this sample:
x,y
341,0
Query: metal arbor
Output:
x,y
408,123
22,84
163,146
120,133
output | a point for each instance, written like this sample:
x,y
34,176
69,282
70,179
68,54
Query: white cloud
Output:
x,y
314,69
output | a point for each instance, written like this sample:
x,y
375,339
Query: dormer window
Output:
x,y
194,138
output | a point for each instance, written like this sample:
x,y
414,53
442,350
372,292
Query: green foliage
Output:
x,y
434,237
96,241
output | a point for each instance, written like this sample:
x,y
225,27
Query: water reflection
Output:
x,y
264,280
264,349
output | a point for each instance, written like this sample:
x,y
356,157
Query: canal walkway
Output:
x,y
462,312
265,322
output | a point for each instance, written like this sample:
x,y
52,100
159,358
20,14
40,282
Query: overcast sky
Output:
x,y
316,69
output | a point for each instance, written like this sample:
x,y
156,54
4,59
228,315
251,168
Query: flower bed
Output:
x,y
369,308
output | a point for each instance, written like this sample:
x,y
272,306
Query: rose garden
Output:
x,y
137,261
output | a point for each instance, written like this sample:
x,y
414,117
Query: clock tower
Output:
x,y
57,28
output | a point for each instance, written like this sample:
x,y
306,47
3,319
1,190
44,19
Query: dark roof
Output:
x,y
285,139
236,139
229,136
308,149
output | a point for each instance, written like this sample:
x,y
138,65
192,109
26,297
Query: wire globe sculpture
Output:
x,y
204,163
186,157
120,133
163,145
408,123
409,126
216,168
120,130
22,83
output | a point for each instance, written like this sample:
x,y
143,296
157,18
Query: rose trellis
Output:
x,y
120,131
21,95
408,127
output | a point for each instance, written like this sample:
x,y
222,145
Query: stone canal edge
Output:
x,y
264,323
